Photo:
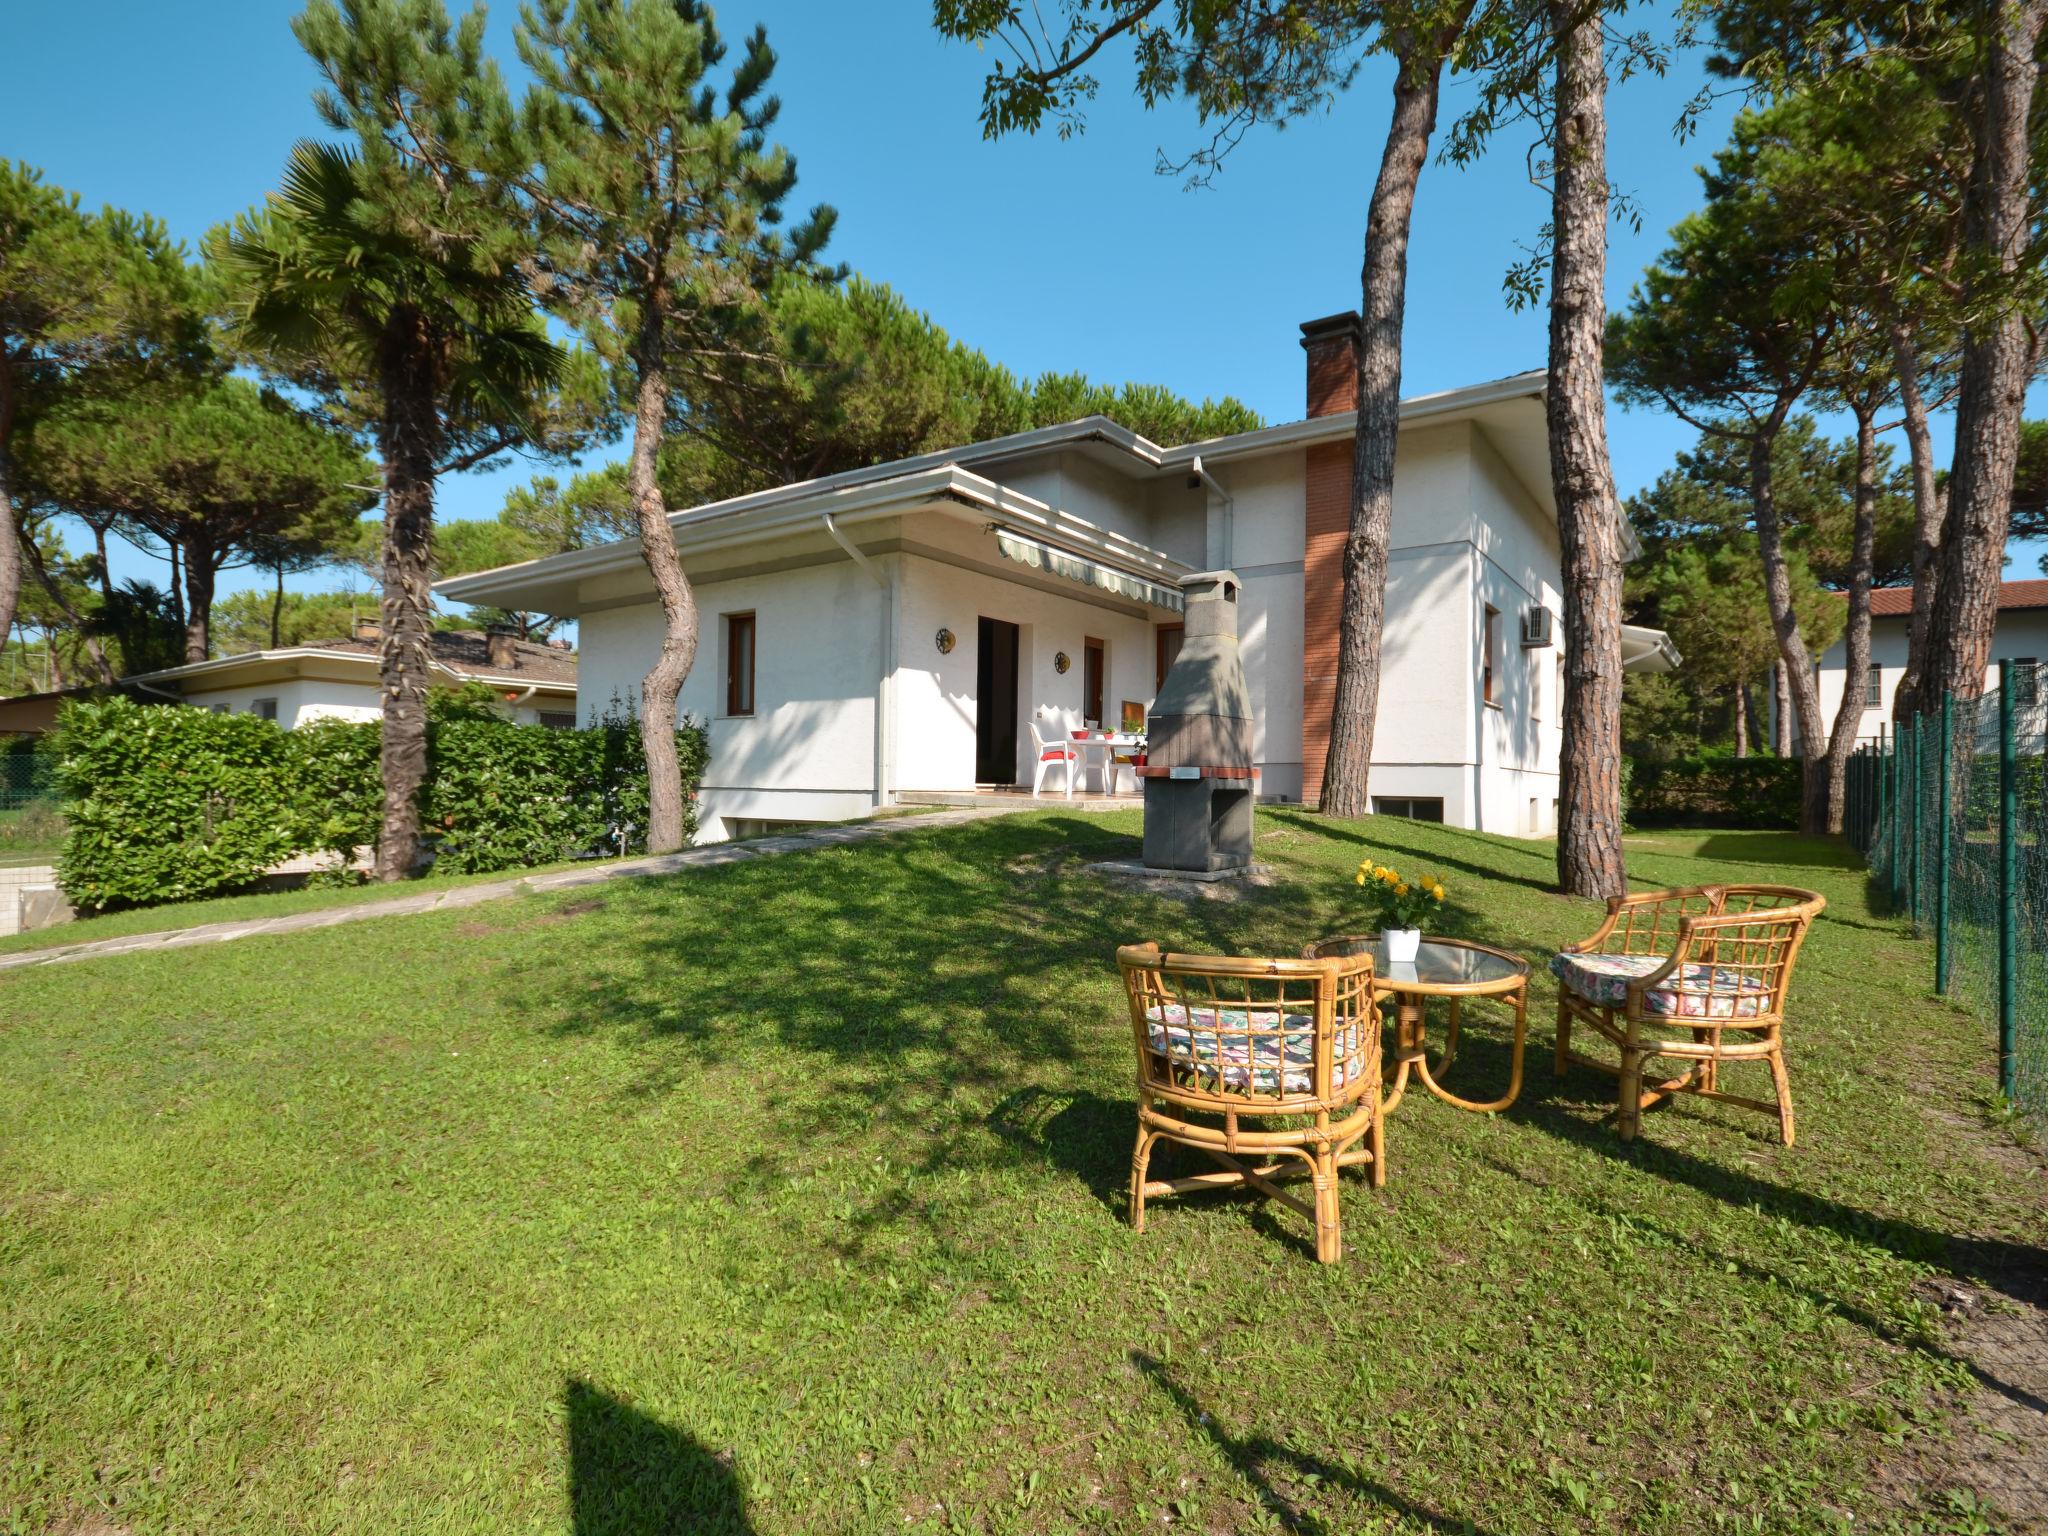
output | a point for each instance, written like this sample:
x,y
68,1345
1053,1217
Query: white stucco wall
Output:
x,y
303,699
2022,635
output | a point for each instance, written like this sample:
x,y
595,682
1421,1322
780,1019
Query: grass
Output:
x,y
788,1197
30,834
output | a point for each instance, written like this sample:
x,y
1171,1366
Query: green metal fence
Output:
x,y
1952,815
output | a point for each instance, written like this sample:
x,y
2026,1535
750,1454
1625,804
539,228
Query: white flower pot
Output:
x,y
1402,944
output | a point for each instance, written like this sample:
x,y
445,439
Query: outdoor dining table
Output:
x,y
1108,743
1454,969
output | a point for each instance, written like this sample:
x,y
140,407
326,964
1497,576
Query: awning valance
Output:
x,y
1043,557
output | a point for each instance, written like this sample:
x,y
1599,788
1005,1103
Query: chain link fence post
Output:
x,y
1941,865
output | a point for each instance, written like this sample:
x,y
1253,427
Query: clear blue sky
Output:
x,y
1046,254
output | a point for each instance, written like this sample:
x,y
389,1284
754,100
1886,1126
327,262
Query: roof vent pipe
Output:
x,y
1221,545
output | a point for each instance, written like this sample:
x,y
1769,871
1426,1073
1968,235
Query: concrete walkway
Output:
x,y
496,890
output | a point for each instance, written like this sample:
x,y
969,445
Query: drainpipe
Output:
x,y
885,681
1197,475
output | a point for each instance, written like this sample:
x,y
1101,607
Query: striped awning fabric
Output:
x,y
1043,557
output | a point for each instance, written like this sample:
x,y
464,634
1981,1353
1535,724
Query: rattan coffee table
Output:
x,y
1449,968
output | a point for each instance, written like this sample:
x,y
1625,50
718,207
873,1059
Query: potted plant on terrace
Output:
x,y
1402,906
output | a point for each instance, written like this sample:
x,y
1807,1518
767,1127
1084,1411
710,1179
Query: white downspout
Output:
x,y
1228,540
885,682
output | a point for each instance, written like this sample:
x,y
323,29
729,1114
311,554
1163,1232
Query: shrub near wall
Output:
x,y
169,803
1715,791
180,802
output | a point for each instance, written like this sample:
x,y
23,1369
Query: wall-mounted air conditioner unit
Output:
x,y
1537,628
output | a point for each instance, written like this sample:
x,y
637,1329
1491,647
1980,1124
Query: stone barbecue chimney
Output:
x,y
501,648
1198,750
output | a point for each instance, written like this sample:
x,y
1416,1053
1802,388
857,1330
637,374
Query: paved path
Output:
x,y
496,890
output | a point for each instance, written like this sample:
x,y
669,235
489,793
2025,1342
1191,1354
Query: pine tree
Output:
x,y
657,200
389,277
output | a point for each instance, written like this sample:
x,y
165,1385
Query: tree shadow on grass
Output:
x,y
1387,839
1257,1457
632,1475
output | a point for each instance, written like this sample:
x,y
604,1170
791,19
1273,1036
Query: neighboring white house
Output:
x,y
2022,635
337,679
900,630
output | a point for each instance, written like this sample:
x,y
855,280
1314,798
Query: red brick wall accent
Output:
x,y
1332,347
1322,598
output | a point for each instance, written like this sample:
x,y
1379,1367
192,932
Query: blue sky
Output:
x,y
1046,254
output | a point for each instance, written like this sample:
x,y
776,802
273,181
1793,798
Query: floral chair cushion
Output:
x,y
1231,1049
1692,991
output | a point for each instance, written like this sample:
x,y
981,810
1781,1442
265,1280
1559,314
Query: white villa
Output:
x,y
2022,636
338,679
905,631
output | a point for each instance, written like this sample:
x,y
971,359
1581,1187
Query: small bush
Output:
x,y
170,803
1715,791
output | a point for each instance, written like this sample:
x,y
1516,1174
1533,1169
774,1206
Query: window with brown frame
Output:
x,y
1486,655
739,663
1093,659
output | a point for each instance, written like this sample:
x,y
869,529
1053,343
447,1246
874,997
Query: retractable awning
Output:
x,y
1647,650
1059,562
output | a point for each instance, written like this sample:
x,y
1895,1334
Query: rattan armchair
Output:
x,y
1711,963
1227,1048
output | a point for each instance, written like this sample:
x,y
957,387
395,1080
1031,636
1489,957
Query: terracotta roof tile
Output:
x,y
1897,602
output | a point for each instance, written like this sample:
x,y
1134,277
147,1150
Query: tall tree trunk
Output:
x,y
1797,661
1997,354
409,441
199,575
1742,720
99,549
1781,724
277,610
664,680
72,616
1589,861
1384,296
1928,509
10,536
177,584
1856,634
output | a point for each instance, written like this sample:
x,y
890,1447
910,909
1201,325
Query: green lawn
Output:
x,y
250,907
788,1197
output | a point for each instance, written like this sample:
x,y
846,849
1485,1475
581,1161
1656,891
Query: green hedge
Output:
x,y
1715,791
168,803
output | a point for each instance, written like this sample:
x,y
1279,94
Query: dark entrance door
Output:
x,y
995,694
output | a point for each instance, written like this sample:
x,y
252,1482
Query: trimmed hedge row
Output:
x,y
169,803
1754,792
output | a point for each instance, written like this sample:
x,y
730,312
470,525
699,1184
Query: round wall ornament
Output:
x,y
944,641
1060,663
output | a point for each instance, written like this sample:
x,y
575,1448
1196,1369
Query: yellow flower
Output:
x,y
1401,888
1361,877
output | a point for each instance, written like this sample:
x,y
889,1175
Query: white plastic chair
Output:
x,y
1057,753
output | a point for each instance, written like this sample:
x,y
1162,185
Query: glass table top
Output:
x,y
1438,963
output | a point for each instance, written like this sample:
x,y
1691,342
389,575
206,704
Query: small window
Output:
x,y
558,720
264,709
1093,659
739,663
1486,669
1408,808
1873,689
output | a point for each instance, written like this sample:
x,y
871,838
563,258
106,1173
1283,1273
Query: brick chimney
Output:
x,y
369,629
501,648
1332,347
